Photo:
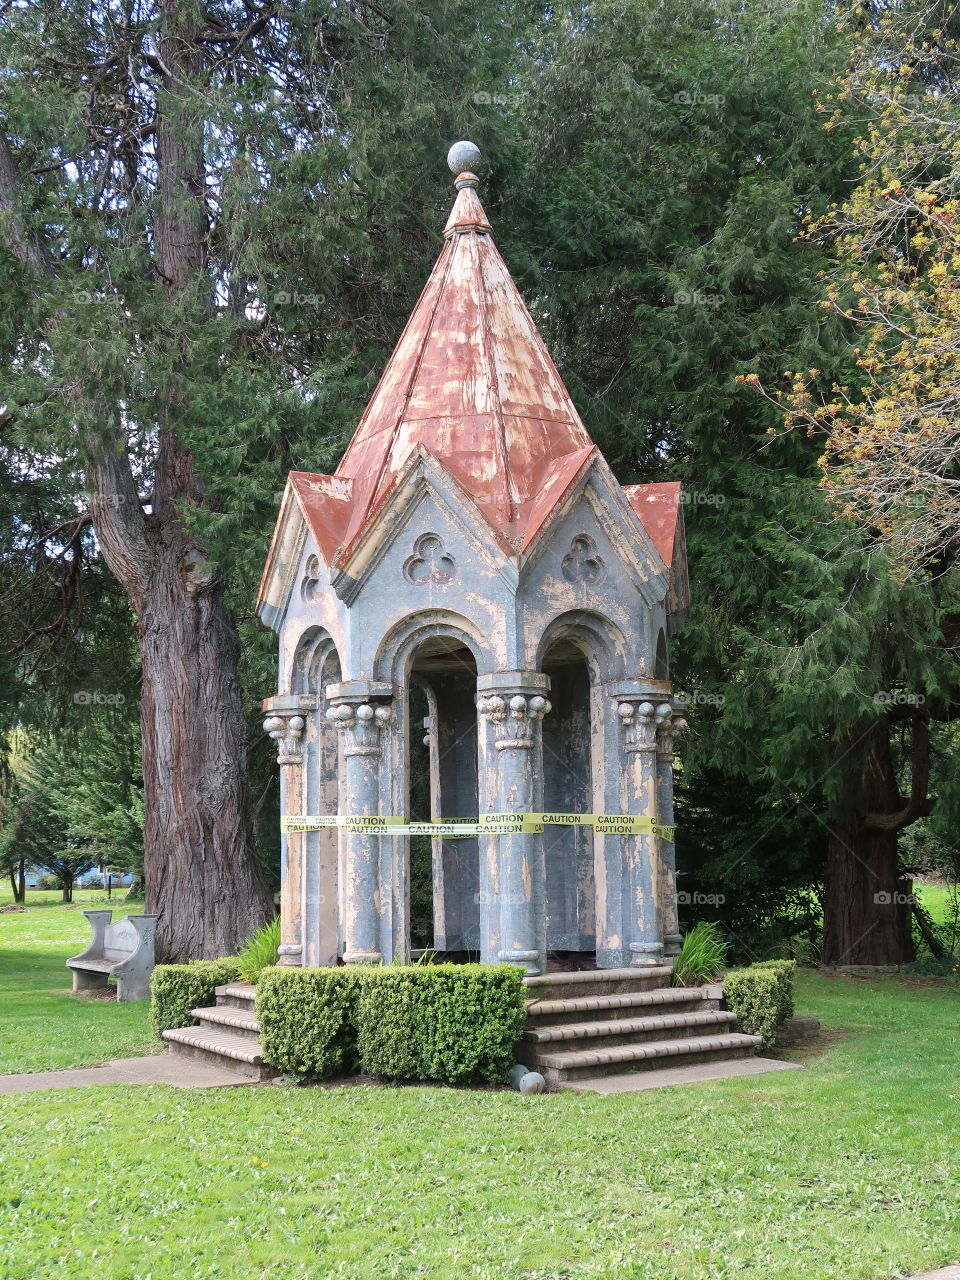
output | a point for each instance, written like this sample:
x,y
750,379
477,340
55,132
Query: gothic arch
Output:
x,y
601,641
399,645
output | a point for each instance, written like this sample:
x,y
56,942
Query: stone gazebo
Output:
x,y
473,568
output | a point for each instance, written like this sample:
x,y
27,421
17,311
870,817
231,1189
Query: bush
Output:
x,y
308,1019
386,1003
702,956
260,952
452,1022
761,997
49,882
175,989
752,995
469,1018
784,969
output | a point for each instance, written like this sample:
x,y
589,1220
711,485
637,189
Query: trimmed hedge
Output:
x,y
175,989
453,1023
469,1018
785,970
762,998
308,1019
387,1043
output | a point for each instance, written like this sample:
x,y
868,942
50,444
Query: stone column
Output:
x,y
669,926
361,725
285,723
512,904
641,720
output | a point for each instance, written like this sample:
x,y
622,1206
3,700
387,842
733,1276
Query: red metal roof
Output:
x,y
472,383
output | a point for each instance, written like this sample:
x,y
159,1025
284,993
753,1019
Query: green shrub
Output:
x,y
753,994
702,956
175,989
260,952
308,1019
386,1042
785,970
762,997
50,882
453,1022
469,1019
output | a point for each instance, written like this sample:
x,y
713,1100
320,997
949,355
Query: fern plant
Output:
x,y
260,952
702,957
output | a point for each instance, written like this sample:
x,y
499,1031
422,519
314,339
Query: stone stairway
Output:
x,y
608,1021
580,1025
227,1034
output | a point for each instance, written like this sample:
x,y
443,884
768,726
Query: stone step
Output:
x,y
581,1064
222,1048
241,1021
586,1008
592,1035
236,995
595,982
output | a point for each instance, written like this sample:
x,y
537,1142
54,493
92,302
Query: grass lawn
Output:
x,y
42,1026
845,1171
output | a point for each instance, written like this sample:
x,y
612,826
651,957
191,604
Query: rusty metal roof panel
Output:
x,y
658,506
472,384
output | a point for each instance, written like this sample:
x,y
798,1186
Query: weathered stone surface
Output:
x,y
473,543
123,951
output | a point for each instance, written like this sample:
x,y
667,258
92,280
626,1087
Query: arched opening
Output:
x,y
444,875
316,665
568,788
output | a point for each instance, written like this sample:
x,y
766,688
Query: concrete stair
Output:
x,y
226,1035
590,1024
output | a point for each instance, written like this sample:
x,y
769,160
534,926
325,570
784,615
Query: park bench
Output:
x,y
123,951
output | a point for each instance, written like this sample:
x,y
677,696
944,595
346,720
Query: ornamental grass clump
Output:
x,y
260,952
702,957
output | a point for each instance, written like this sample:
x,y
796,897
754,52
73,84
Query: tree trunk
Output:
x,y
201,874
866,913
867,905
20,884
67,887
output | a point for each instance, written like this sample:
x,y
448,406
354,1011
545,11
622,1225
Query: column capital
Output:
x,y
668,732
513,718
361,725
642,721
285,723
510,683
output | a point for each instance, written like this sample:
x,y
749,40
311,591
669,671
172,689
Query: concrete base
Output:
x,y
160,1068
945,1273
694,1073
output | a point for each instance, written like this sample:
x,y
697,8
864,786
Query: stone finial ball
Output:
x,y
463,157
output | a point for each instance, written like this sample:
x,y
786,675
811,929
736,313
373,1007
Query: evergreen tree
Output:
x,y
214,219
678,151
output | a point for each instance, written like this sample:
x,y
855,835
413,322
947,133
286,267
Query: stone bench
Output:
x,y
123,951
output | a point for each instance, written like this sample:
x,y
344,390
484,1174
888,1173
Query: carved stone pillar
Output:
x,y
669,926
285,723
361,725
641,720
511,707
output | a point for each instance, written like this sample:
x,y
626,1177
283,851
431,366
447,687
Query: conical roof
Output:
x,y
471,381
471,384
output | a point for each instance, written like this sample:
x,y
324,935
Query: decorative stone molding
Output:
x,y
582,563
514,719
430,562
286,729
310,585
669,730
643,722
362,726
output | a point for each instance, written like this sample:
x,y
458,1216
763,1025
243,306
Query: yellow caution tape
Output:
x,y
486,824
